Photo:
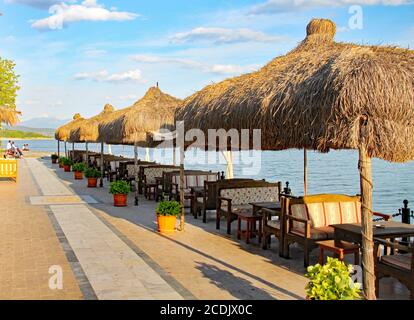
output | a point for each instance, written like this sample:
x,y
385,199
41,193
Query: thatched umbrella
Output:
x,y
87,131
9,116
137,124
322,95
63,133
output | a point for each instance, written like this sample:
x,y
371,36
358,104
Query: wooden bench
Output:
x,y
8,169
340,250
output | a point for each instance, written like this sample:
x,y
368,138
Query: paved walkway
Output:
x,y
113,269
29,245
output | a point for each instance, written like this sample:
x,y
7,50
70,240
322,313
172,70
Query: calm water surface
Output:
x,y
335,172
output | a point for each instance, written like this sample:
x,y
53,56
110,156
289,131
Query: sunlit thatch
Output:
x,y
314,97
135,125
63,133
9,116
87,131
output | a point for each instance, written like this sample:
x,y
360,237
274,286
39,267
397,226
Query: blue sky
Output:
x,y
76,56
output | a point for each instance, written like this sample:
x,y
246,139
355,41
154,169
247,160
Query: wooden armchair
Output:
x,y
399,266
207,200
236,198
150,178
309,219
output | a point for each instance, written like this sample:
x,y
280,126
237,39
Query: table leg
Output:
x,y
321,256
356,260
249,227
260,231
238,228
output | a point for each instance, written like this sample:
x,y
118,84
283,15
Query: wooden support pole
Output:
x,y
73,151
365,170
305,172
102,165
66,150
182,199
87,155
58,153
136,173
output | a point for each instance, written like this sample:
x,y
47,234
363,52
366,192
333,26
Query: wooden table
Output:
x,y
392,230
251,230
273,206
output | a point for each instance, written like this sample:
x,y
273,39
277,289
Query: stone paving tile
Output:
x,y
29,245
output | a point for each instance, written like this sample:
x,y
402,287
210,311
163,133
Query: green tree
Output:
x,y
8,83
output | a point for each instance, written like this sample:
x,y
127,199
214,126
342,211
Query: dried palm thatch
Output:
x,y
63,133
315,96
136,124
87,131
9,116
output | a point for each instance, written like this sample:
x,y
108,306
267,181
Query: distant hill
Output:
x,y
43,122
17,134
42,131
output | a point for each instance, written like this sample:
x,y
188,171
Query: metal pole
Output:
x,y
73,151
102,165
66,150
58,148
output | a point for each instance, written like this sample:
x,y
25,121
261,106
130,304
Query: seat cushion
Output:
x,y
245,208
322,233
401,261
274,224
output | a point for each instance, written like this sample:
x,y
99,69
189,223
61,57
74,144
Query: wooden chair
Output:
x,y
236,198
150,175
399,266
208,200
9,169
275,227
309,219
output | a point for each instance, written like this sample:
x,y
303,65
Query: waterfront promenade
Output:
x,y
113,253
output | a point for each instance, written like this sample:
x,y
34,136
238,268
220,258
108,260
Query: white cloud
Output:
x,y
89,10
278,6
222,69
223,35
105,76
41,4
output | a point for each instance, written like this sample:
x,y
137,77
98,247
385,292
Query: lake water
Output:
x,y
334,172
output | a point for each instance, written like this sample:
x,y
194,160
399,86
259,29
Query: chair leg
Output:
x,y
377,281
228,226
265,242
306,255
218,221
204,215
285,252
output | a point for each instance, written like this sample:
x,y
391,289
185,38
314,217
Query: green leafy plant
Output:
x,y
78,167
332,281
61,159
92,173
120,187
67,162
54,156
168,208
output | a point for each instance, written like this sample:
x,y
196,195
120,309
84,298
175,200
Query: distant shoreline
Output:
x,y
25,139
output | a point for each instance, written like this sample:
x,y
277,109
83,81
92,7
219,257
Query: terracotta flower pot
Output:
x,y
78,175
166,224
54,161
66,168
120,200
92,182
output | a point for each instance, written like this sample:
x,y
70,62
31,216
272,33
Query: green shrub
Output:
x,y
120,187
54,156
61,159
168,208
78,167
92,173
332,281
67,162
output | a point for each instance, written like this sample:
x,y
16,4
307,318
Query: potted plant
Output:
x,y
67,163
332,281
167,213
54,157
120,190
61,162
78,169
93,175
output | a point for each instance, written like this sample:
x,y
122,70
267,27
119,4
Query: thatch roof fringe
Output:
x,y
9,116
314,96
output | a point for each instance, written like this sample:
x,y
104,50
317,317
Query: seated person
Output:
x,y
17,150
26,147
